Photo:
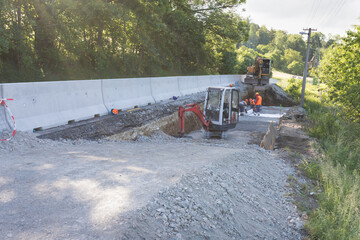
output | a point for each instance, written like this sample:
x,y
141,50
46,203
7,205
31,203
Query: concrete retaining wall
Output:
x,y
126,93
188,85
203,82
164,88
49,104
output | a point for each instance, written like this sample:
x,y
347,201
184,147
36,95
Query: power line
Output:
x,y
314,13
332,12
310,12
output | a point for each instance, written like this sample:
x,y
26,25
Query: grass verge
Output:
x,y
337,170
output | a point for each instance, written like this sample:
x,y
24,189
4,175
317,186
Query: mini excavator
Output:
x,y
221,111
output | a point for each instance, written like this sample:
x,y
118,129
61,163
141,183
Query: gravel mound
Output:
x,y
236,198
25,141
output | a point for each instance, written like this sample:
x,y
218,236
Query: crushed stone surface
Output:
x,y
157,187
235,198
152,188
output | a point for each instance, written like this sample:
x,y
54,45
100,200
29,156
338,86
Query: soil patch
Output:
x,y
272,95
256,138
168,125
299,150
292,137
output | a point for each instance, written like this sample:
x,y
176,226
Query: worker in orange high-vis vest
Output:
x,y
258,102
251,103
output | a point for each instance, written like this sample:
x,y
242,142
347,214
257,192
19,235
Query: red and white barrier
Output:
x,y
4,137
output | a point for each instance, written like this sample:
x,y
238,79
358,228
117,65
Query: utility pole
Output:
x,y
306,63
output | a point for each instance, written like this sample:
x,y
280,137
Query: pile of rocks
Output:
x,y
237,198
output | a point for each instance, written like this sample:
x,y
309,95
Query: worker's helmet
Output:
x,y
257,93
246,100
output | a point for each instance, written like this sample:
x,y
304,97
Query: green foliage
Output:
x,y
286,51
340,71
311,169
338,214
295,67
77,39
337,169
246,57
294,88
296,43
335,123
292,60
228,63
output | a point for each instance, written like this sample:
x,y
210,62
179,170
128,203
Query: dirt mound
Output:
x,y
291,134
272,95
168,125
275,95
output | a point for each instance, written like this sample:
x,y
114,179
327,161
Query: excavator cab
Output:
x,y
221,111
222,107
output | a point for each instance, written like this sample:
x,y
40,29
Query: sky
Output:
x,y
327,16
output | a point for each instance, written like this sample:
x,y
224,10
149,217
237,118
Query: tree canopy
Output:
x,y
340,71
83,39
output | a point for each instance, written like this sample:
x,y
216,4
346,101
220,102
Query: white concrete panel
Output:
x,y
241,78
188,85
215,80
126,92
226,79
204,82
48,104
163,88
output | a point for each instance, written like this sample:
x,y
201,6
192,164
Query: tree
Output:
x,y
82,39
340,71
246,58
296,42
296,67
280,40
264,35
292,62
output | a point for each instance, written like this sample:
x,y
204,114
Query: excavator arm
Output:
x,y
194,107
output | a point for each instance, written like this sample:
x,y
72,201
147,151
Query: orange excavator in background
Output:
x,y
221,111
259,73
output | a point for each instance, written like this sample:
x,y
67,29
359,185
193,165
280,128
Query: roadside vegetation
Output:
x,y
333,109
87,39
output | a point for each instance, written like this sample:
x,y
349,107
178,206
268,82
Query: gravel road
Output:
x,y
152,188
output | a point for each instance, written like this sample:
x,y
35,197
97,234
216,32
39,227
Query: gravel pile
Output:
x,y
236,198
25,141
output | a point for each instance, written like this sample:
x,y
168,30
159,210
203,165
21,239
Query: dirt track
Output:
x,y
158,187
